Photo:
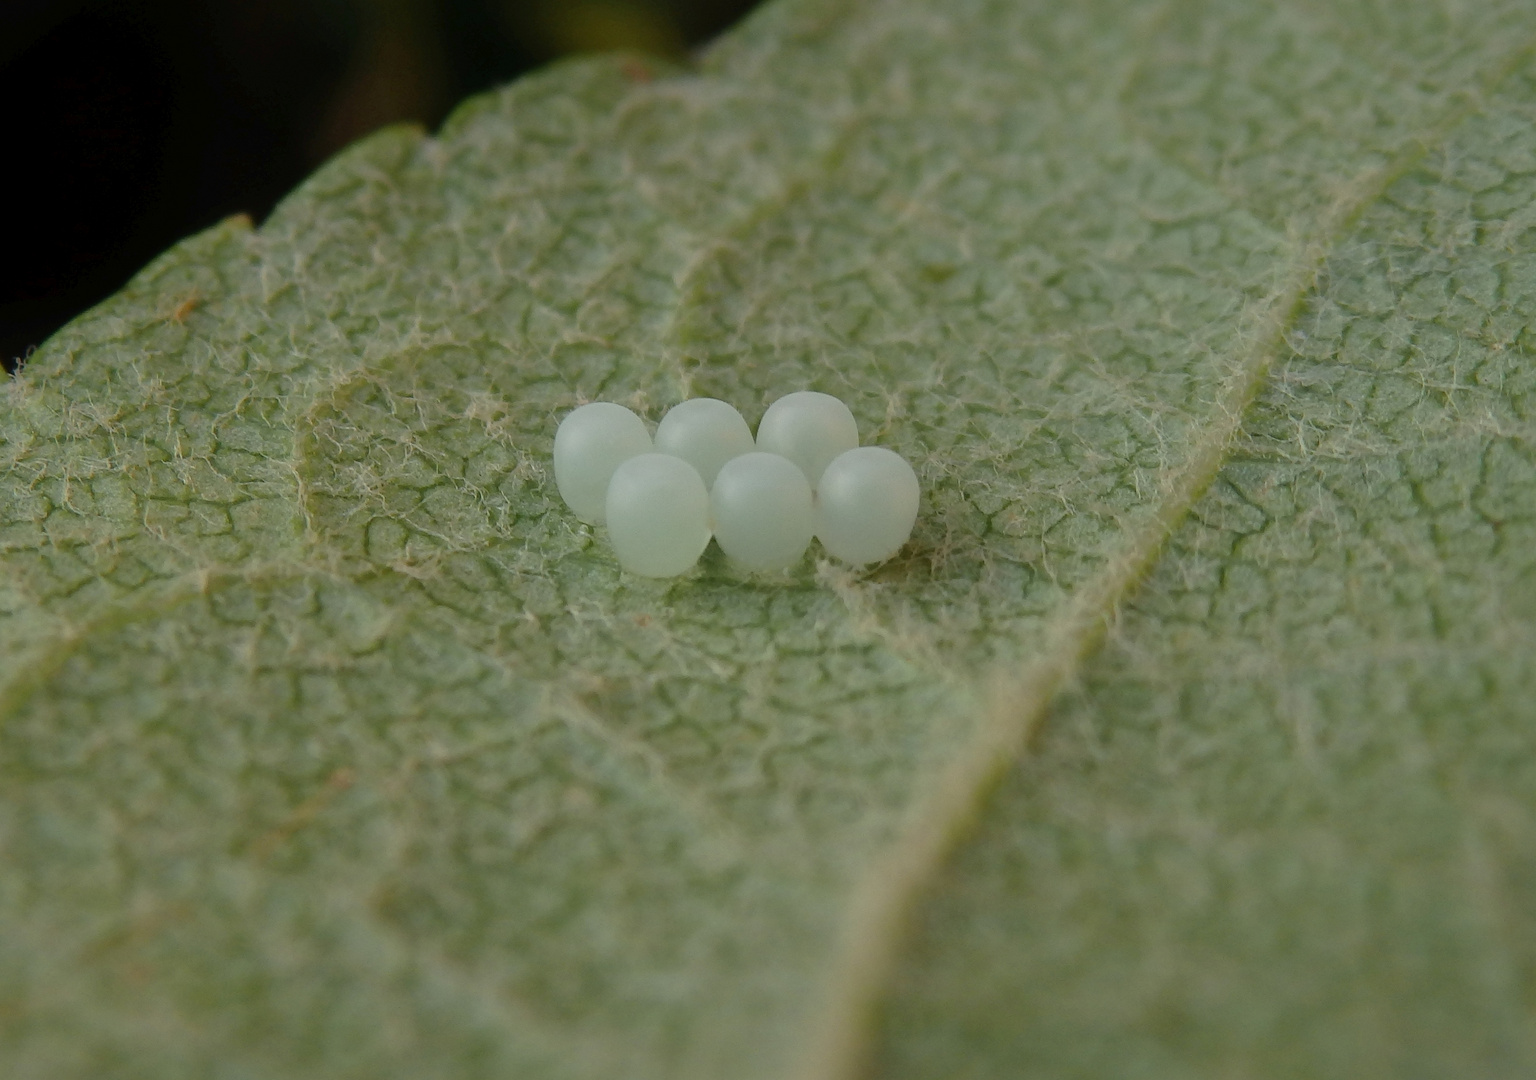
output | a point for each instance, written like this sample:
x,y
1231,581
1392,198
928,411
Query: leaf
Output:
x,y
333,746
1285,824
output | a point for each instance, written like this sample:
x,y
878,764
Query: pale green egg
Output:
x,y
704,432
658,515
866,505
809,429
762,511
591,442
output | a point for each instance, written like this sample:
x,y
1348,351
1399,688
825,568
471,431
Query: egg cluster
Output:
x,y
805,475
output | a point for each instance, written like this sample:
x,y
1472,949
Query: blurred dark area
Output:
x,y
134,123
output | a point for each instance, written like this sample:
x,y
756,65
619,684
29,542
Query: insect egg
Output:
x,y
808,428
658,515
591,442
866,505
704,432
762,511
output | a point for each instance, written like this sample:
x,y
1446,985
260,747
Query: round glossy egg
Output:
x,y
809,429
866,505
591,442
704,432
761,508
658,515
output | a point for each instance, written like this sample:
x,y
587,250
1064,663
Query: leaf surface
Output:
x,y
333,746
1284,826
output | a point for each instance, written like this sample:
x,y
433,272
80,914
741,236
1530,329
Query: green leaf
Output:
x,y
1285,824
332,746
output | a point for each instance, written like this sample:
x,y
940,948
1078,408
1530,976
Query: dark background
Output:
x,y
133,123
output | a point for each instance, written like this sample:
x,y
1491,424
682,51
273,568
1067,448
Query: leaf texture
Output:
x,y
332,746
1284,826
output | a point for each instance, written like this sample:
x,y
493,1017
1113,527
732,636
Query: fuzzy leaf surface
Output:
x,y
331,745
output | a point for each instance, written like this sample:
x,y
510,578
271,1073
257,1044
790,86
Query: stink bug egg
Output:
x,y
866,505
762,511
808,428
704,432
658,515
591,442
